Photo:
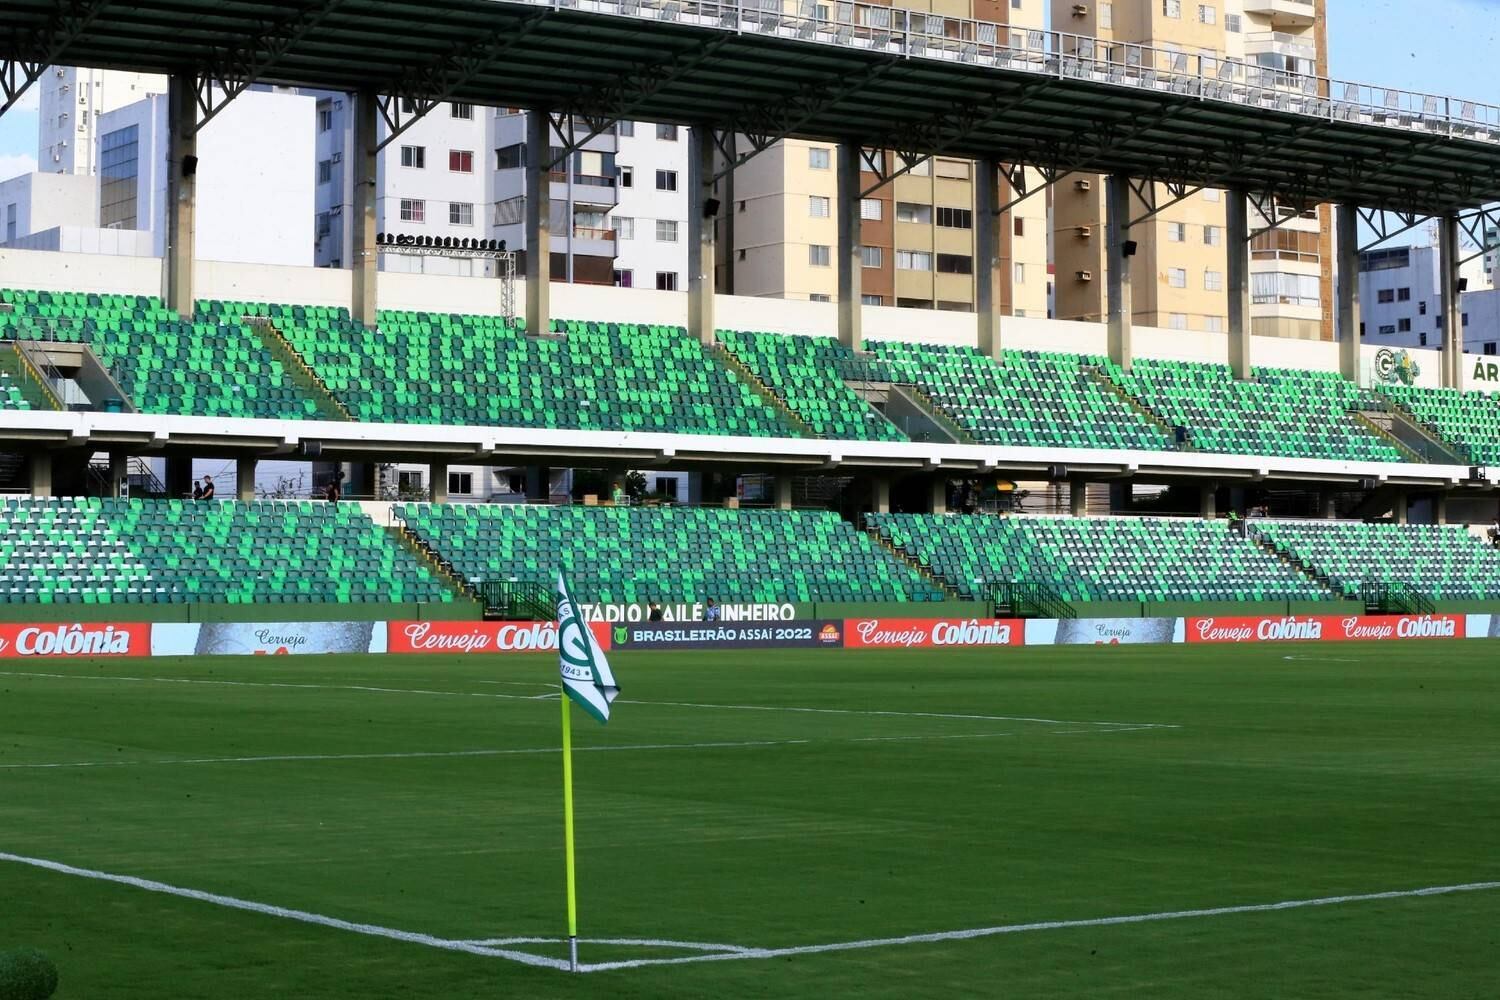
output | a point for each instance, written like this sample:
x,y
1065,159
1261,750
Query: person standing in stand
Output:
x,y
208,488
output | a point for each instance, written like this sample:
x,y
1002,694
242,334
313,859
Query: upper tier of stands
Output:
x,y
1443,562
1096,559
623,554
92,551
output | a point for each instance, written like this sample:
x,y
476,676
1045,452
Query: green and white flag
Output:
x,y
585,672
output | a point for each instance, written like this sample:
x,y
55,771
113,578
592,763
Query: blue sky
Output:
x,y
1436,46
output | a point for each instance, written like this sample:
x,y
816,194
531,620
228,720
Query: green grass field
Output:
x,y
765,801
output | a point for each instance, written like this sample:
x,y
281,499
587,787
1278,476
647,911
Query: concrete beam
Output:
x,y
39,473
987,262
1440,508
538,224
880,494
939,497
1401,507
851,259
784,492
244,478
364,257
700,245
119,473
182,192
1078,498
1120,306
1237,280
1208,501
1346,307
1450,303
437,482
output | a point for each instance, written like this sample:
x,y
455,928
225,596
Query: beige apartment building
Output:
x,y
1179,272
918,231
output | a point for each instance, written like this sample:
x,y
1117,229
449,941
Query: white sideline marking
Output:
x,y
493,947
622,701
301,916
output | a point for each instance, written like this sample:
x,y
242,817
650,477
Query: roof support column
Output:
x,y
1238,280
726,221
1121,250
1346,309
39,473
703,210
363,254
1449,304
987,256
244,477
437,482
182,192
851,257
538,224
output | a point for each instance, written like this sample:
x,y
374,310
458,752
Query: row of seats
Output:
x,y
631,555
1443,562
1471,419
11,397
93,551
1100,559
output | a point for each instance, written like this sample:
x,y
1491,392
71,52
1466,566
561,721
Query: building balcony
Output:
x,y
1284,13
585,241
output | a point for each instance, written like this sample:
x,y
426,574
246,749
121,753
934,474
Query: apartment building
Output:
x,y
71,102
1180,268
1400,300
917,231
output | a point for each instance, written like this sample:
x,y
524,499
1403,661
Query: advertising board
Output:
x,y
1326,628
1102,631
267,639
729,635
479,637
58,641
930,633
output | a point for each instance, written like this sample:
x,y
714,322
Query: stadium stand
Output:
x,y
1469,418
11,397
1442,562
427,368
93,551
1029,398
810,375
631,554
1282,412
214,366
1095,559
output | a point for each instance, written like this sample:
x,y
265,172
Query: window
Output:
x,y
955,218
1270,288
666,133
1421,308
1422,339
953,263
913,260
460,213
1018,227
956,170
510,158
462,111
1171,8
119,161
871,256
922,168
413,210
1403,295
1213,236
909,211
414,157
410,483
626,177
625,130
1489,348
666,231
461,483
819,158
819,207
870,209
1386,295
1213,281
871,300
872,160
325,119
1177,277
1212,194
1466,319
624,227
461,161
816,297
10,221
1207,14
819,256
624,279
325,171
1403,325
1177,232
1388,328
1018,273
666,180
1106,14
666,281
1177,321
1232,23
1213,324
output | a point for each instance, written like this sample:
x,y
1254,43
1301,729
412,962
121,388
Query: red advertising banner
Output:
x,y
480,637
77,640
1326,628
930,633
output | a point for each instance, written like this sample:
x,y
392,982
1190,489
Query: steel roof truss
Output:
x,y
67,22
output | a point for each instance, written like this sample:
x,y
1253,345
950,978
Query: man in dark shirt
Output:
x,y
208,488
654,612
197,490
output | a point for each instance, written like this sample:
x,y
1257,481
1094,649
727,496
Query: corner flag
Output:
x,y
586,676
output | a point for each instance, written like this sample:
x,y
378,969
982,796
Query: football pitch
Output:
x,y
1277,821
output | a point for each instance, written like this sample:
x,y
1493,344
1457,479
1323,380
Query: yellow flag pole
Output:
x,y
567,756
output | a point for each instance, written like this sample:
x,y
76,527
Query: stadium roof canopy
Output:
x,y
915,83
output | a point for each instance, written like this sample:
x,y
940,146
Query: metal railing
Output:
x,y
1059,54
1031,600
1395,598
517,600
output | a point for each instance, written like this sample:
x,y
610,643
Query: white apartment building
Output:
x,y
650,221
72,100
1401,303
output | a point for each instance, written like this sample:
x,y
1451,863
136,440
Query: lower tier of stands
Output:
x,y
1441,562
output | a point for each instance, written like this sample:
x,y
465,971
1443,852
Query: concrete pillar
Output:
x,y
987,262
1346,308
1120,308
700,241
359,482
244,477
182,192
1208,501
538,224
1449,304
179,477
39,473
437,482
1237,280
1078,498
851,259
1326,507
727,216
364,258
1121,497
119,473
1401,507
939,488
538,484
1440,508
784,491
880,494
